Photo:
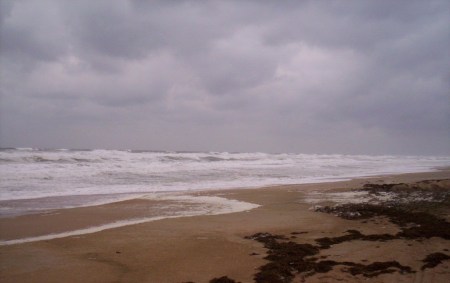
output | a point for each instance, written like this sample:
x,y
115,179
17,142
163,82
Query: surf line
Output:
x,y
233,207
84,231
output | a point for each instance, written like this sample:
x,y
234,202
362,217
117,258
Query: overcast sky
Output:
x,y
358,77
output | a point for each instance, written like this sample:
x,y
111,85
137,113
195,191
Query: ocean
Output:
x,y
40,179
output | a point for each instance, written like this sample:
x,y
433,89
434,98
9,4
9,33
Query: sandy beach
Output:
x,y
201,248
224,141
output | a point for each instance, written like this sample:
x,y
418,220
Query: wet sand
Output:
x,y
200,248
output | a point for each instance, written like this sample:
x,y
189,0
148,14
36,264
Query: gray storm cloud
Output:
x,y
362,77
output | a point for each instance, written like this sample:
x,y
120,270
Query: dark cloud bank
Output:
x,y
279,76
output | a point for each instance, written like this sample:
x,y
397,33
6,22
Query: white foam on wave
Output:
x,y
208,205
31,174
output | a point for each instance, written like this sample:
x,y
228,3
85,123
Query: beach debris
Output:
x,y
377,268
285,258
429,192
223,279
413,224
434,259
288,259
326,242
420,209
299,233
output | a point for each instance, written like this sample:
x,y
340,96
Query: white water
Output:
x,y
33,179
201,205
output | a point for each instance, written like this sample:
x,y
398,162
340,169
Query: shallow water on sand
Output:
x,y
147,208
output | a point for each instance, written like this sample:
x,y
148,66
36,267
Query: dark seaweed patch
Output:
x,y
289,258
377,268
326,242
417,219
286,258
223,279
413,224
434,259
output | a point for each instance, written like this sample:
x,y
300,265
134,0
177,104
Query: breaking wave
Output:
x,y
27,173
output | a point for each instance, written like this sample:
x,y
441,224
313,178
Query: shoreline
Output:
x,y
31,227
21,229
40,204
199,248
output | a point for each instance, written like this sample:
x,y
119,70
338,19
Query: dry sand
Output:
x,y
199,248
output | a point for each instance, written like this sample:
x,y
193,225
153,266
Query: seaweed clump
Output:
x,y
223,279
287,258
377,268
327,242
413,224
410,206
434,259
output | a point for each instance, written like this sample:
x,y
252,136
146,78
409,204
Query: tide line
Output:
x,y
222,206
84,231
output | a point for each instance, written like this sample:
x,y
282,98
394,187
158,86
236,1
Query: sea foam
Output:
x,y
27,174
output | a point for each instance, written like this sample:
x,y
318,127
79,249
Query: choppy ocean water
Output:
x,y
34,179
